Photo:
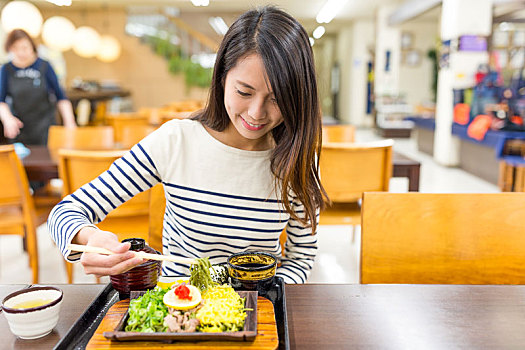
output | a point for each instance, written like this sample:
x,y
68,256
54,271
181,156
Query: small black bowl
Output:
x,y
141,277
252,270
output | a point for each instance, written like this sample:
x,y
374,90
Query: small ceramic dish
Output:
x,y
252,270
33,312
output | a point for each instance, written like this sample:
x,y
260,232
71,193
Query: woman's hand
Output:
x,y
12,126
104,265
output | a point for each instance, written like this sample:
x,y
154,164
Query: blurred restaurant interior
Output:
x,y
443,79
420,245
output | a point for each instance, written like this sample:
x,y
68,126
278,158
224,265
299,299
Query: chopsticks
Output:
x,y
143,255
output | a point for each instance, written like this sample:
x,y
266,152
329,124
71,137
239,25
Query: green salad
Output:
x,y
146,314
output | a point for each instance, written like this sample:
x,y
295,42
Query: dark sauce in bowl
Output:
x,y
252,270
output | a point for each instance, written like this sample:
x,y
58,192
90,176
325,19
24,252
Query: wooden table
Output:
x,y
75,95
406,316
39,164
77,298
41,167
322,316
406,167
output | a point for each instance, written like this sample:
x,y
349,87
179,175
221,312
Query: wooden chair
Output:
x,y
77,167
132,134
123,120
86,138
156,217
179,110
17,211
338,133
166,116
152,113
83,138
348,170
441,238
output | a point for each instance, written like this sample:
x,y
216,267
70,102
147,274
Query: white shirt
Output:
x,y
219,200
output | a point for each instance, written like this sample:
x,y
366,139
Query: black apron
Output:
x,y
30,102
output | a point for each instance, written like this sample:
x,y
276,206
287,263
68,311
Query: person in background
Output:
x,y
29,91
235,175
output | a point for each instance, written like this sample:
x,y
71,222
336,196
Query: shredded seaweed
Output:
x,y
200,274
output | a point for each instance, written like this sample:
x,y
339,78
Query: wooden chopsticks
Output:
x,y
143,255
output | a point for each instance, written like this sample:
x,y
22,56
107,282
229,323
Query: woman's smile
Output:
x,y
251,126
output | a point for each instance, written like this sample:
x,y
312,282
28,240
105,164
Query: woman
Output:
x,y
26,83
235,175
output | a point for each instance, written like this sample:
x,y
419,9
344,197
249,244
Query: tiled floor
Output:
x,y
338,256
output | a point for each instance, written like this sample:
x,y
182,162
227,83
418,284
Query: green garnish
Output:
x,y
146,313
200,274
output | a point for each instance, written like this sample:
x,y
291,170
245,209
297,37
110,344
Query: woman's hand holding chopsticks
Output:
x,y
103,265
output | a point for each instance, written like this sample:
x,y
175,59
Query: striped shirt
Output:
x,y
219,200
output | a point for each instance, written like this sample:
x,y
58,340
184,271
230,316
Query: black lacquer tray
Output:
x,y
81,332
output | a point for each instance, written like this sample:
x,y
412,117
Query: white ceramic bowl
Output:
x,y
33,322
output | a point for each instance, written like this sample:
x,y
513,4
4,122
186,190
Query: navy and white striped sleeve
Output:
x,y
135,172
300,249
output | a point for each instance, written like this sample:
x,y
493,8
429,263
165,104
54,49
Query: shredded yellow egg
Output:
x,y
223,310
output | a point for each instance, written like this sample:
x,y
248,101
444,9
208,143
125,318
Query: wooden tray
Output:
x,y
247,334
266,338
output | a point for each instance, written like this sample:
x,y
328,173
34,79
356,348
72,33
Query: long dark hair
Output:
x,y
284,47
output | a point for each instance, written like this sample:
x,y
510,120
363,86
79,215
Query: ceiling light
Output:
x,y
312,41
109,49
86,42
200,2
318,32
22,15
506,26
58,33
60,2
330,10
218,24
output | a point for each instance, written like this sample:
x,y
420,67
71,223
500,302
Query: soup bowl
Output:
x,y
33,312
252,270
141,277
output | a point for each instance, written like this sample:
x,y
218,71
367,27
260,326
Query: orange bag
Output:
x,y
479,126
462,113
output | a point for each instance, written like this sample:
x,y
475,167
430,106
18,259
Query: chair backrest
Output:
x,y
152,113
14,186
123,120
132,134
185,106
338,133
78,167
166,116
349,169
156,216
17,210
442,238
81,138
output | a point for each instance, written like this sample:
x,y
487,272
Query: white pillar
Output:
x,y
353,56
458,17
343,57
362,38
388,44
